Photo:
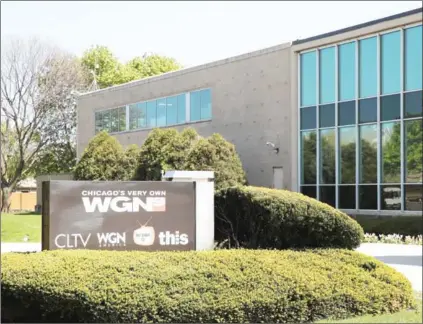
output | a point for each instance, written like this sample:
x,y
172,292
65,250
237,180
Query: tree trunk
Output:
x,y
6,193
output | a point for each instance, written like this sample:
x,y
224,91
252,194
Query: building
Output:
x,y
337,116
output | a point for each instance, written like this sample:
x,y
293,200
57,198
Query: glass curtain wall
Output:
x,y
361,122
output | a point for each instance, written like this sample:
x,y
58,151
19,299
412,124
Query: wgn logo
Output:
x,y
111,239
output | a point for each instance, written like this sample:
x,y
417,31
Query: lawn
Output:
x,y
14,227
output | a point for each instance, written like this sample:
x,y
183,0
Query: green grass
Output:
x,y
15,226
405,316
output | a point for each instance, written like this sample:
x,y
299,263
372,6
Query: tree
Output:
x,y
153,64
216,154
130,161
39,84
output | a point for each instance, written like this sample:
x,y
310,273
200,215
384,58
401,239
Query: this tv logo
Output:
x,y
168,238
123,204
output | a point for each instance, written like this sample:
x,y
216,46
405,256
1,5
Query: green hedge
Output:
x,y
403,225
198,287
253,217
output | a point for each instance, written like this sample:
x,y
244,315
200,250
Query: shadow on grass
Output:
x,y
25,214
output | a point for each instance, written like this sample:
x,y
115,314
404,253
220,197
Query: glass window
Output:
x,y
161,112
327,195
413,150
106,120
309,191
413,197
327,156
181,109
308,117
142,115
206,112
413,58
171,110
390,62
368,153
413,104
195,106
367,110
347,147
346,113
98,119
390,107
327,75
114,125
390,197
327,115
346,197
308,157
122,119
368,67
367,197
308,79
133,117
151,113
346,71
391,152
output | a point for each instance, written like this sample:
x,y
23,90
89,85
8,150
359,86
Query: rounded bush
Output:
x,y
198,287
254,217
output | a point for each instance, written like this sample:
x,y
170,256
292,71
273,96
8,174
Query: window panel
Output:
x,y
413,150
327,156
171,110
133,117
122,119
390,107
151,113
161,112
346,197
368,67
391,152
308,79
195,106
308,117
106,121
327,115
308,157
327,75
346,113
98,122
413,197
327,195
390,62
347,149
206,112
413,104
413,58
390,197
367,110
368,153
142,115
114,124
181,109
309,191
346,71
367,197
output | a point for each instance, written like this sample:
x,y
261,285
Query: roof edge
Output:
x,y
359,26
183,71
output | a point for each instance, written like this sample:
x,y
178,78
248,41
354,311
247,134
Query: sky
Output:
x,y
192,32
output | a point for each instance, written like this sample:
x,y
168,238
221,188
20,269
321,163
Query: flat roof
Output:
x,y
366,24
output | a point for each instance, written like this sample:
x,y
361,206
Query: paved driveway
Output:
x,y
407,259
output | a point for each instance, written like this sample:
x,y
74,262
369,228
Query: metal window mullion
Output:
x,y
378,131
299,157
317,128
127,117
357,128
187,107
402,132
336,131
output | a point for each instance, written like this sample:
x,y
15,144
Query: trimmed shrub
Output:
x,y
130,161
216,154
230,286
101,160
402,225
253,217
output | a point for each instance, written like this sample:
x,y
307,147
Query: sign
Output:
x,y
117,215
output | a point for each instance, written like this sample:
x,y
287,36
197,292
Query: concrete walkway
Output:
x,y
407,259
